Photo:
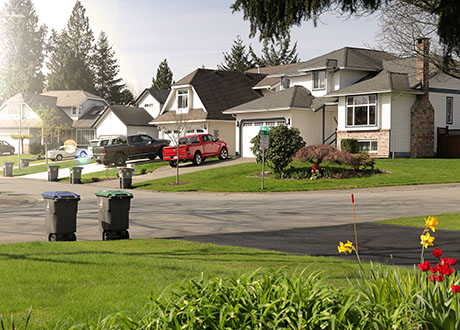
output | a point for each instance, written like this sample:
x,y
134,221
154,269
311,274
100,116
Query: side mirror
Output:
x,y
216,139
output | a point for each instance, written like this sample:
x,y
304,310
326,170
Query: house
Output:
x,y
152,100
199,99
124,120
391,105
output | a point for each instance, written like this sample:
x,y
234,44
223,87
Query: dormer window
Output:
x,y
285,83
74,111
182,99
319,79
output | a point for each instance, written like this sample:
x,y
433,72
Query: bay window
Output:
x,y
361,110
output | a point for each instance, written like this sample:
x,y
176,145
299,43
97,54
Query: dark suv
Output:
x,y
5,147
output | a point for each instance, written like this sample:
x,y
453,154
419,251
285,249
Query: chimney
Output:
x,y
421,62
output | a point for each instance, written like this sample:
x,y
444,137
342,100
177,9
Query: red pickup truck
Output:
x,y
196,148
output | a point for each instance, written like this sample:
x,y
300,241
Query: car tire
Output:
x,y
119,160
172,163
58,157
197,160
12,152
223,154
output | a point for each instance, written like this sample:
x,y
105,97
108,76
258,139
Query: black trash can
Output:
x,y
53,172
25,162
114,208
61,215
126,177
75,174
8,168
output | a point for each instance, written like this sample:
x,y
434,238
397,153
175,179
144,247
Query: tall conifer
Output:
x,y
164,77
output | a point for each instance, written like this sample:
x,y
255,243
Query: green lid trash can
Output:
x,y
61,215
75,174
114,208
126,177
53,172
8,168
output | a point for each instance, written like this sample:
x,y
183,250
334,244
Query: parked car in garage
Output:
x,y
6,148
197,148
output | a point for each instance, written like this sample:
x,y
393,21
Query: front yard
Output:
x,y
242,178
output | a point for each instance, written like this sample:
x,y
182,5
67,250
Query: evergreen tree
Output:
x,y
164,76
57,57
276,53
123,96
238,59
108,86
76,44
22,44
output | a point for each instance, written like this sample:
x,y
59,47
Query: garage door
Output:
x,y
251,129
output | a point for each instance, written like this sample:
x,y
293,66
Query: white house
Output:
x,y
200,98
152,100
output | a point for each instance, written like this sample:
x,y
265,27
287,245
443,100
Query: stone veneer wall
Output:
x,y
382,136
422,128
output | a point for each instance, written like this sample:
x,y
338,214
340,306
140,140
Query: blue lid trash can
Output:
x,y
61,215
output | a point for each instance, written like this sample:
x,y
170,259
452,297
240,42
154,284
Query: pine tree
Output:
x,y
56,63
164,77
238,59
76,44
276,53
108,86
22,49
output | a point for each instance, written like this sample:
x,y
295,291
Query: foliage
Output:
x,y
360,161
349,145
273,18
315,153
22,45
276,52
238,59
283,144
36,148
164,77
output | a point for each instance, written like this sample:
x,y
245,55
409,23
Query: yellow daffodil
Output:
x,y
345,248
431,223
426,240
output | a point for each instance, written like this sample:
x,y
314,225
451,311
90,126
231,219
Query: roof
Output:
x,y
271,69
171,116
158,94
89,118
221,90
294,97
131,116
71,98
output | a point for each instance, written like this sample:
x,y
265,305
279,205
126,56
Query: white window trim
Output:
x,y
367,126
314,80
183,93
370,144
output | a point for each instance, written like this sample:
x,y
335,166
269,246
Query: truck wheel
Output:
x,y
172,163
223,154
106,235
119,160
197,160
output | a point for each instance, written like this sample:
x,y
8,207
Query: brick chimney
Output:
x,y
422,112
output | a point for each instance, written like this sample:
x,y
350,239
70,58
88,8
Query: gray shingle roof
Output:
x,y
35,101
131,116
89,118
71,98
171,116
158,94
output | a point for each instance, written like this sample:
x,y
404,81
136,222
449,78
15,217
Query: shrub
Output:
x,y
36,148
315,153
360,161
349,145
284,142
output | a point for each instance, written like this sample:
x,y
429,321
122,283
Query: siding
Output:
x,y
309,124
226,133
111,125
152,131
401,104
153,110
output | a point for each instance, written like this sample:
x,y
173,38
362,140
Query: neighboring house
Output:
x,y
124,120
152,100
383,101
199,99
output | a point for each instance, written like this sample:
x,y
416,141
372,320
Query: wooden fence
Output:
x,y
448,143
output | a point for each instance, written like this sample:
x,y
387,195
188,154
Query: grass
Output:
x,y
44,167
76,282
14,159
113,173
448,221
237,178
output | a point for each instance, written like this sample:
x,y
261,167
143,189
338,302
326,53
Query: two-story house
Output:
x,y
198,100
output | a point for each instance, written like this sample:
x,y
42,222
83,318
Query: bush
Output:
x,y
360,161
284,142
36,148
349,145
315,153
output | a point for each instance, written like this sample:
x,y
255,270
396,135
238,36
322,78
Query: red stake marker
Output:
x,y
354,220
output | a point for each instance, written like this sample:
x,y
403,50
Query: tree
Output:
x,y
276,53
283,144
274,18
164,77
402,23
123,96
72,54
22,43
178,130
108,86
238,59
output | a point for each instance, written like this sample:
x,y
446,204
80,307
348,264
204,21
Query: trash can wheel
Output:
x,y
106,235
52,238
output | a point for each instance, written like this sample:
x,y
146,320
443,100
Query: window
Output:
x,y
270,123
199,130
247,124
73,111
146,138
319,79
281,123
84,136
258,123
449,110
148,105
182,99
367,145
361,110
79,110
285,83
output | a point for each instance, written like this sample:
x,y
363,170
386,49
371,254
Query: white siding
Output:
x,y
226,132
400,133
153,107
111,125
305,81
341,114
310,125
384,111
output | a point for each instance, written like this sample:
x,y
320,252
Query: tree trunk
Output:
x,y
46,153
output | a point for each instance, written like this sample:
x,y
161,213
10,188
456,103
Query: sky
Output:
x,y
190,34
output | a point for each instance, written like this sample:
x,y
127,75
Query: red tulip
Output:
x,y
424,266
437,253
455,288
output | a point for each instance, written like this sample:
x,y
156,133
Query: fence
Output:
x,y
448,143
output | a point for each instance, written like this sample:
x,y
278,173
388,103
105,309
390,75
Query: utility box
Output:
x,y
8,168
61,215
126,177
25,162
114,208
75,174
53,172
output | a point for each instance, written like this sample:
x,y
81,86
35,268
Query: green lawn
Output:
x,y
76,282
14,159
448,221
44,167
237,178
